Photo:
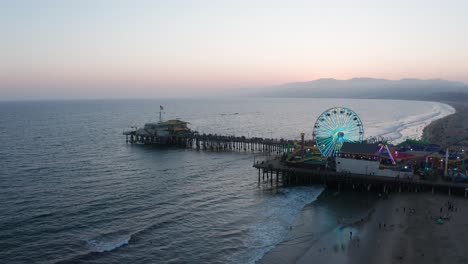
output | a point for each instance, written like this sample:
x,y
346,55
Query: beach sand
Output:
x,y
411,233
402,228
450,128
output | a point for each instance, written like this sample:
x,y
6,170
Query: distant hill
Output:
x,y
369,88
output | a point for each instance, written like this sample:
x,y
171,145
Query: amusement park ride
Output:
x,y
336,126
340,126
332,129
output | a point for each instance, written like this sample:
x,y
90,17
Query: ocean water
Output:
x,y
72,191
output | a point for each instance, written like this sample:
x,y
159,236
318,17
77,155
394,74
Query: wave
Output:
x,y
106,246
95,246
278,216
412,126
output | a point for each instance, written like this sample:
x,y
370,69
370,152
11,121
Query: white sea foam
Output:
x,y
277,215
412,125
105,246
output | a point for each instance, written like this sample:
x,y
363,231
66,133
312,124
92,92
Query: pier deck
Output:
x,y
214,142
289,175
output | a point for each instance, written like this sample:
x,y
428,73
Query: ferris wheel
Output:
x,y
336,126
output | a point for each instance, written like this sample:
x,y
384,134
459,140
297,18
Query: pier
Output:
x,y
216,143
338,158
276,173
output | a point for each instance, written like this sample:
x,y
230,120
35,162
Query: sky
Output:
x,y
121,49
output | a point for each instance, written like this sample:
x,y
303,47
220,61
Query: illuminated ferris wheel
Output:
x,y
336,126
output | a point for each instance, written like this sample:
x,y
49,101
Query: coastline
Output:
x,y
321,231
409,236
450,128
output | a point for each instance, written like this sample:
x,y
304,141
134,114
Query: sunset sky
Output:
x,y
99,49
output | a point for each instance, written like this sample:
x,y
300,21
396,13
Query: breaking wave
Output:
x,y
106,246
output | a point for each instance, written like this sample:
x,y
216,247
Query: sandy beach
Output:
x,y
400,228
411,233
450,128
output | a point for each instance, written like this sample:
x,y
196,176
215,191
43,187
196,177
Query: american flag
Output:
x,y
161,107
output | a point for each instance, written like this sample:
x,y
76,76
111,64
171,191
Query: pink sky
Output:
x,y
172,48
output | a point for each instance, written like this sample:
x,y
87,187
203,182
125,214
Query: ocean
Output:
x,y
72,190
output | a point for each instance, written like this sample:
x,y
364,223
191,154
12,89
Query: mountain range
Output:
x,y
370,88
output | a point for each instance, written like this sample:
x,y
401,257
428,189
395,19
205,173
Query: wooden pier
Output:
x,y
217,143
276,173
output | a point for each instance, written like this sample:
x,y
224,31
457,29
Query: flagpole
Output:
x,y
160,113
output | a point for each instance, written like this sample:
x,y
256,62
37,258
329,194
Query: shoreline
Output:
x,y
450,128
414,128
406,236
322,226
445,111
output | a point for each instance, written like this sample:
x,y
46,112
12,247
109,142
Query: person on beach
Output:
x,y
350,235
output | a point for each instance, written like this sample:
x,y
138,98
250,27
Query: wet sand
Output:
x,y
321,231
